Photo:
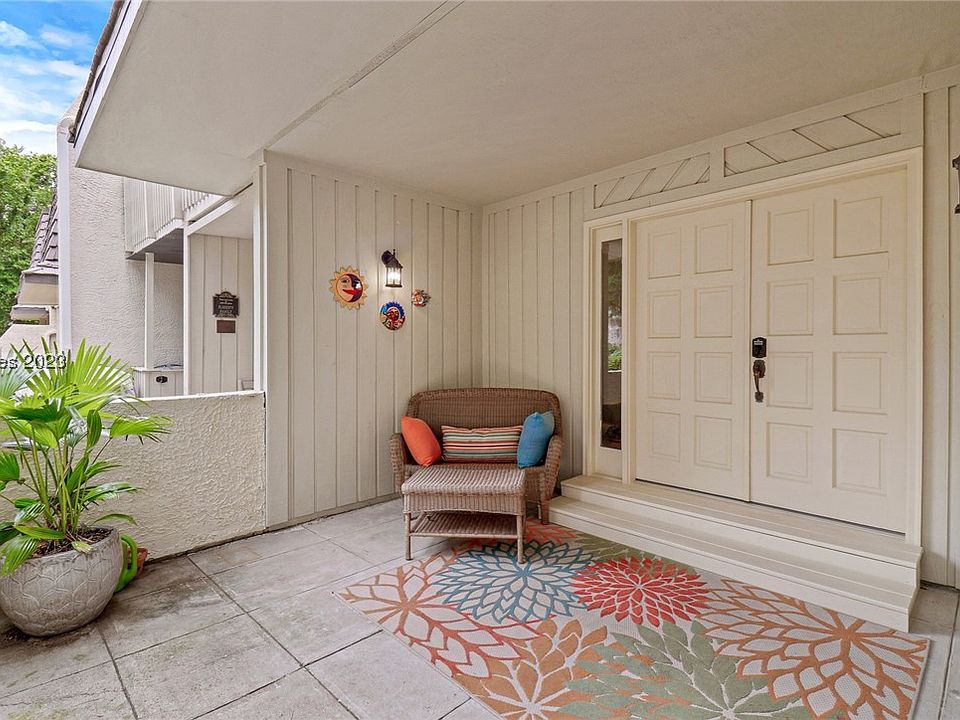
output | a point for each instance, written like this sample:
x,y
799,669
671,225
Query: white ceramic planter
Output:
x,y
56,593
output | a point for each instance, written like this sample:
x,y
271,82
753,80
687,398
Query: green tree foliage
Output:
x,y
26,188
614,299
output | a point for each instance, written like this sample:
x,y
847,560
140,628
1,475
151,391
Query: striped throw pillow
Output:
x,y
493,445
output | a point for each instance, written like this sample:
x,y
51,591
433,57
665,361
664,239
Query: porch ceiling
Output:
x,y
200,87
233,219
483,101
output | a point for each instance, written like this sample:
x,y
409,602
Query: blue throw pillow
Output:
x,y
537,431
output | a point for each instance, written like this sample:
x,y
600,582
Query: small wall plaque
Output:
x,y
226,326
226,305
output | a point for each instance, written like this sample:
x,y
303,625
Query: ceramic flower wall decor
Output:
x,y
420,298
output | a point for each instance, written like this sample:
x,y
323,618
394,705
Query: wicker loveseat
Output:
x,y
486,407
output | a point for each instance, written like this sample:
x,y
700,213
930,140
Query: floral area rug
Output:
x,y
589,628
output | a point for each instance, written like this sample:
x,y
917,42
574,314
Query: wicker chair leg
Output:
x,y
520,559
407,518
544,510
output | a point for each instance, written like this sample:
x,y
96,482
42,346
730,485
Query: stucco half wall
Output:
x,y
204,483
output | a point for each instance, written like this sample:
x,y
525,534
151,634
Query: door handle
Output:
x,y
759,370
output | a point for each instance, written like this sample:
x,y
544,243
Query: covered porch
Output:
x,y
509,155
252,629
493,195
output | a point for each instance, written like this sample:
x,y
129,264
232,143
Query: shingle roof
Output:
x,y
46,245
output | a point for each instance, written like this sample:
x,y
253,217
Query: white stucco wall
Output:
x,y
19,333
168,314
204,483
105,290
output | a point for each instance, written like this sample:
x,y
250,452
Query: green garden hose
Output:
x,y
129,570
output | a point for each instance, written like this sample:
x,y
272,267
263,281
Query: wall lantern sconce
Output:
x,y
394,268
956,165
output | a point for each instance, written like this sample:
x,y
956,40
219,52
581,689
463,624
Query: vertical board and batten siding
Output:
x,y
543,347
342,378
533,331
953,374
219,362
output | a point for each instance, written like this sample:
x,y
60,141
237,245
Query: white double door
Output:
x,y
818,272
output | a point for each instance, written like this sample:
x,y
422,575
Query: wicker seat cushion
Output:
x,y
533,475
487,489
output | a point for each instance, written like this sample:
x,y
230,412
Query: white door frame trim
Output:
x,y
601,460
616,225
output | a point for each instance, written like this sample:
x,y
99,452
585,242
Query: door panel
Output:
x,y
691,350
828,266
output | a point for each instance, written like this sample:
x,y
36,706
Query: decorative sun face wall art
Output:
x,y
349,287
392,315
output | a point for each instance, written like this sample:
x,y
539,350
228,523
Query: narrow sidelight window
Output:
x,y
611,342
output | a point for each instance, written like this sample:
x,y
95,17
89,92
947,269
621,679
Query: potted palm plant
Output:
x,y
59,414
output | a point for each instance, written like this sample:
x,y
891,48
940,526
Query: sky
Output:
x,y
45,54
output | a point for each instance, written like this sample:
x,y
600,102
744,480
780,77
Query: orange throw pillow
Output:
x,y
420,440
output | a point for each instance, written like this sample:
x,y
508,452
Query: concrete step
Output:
x,y
859,571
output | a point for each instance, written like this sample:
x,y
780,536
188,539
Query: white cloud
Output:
x,y
26,126
31,107
38,68
12,36
34,136
21,66
62,38
37,84
18,104
67,69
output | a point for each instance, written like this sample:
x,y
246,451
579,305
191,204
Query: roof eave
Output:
x,y
110,47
